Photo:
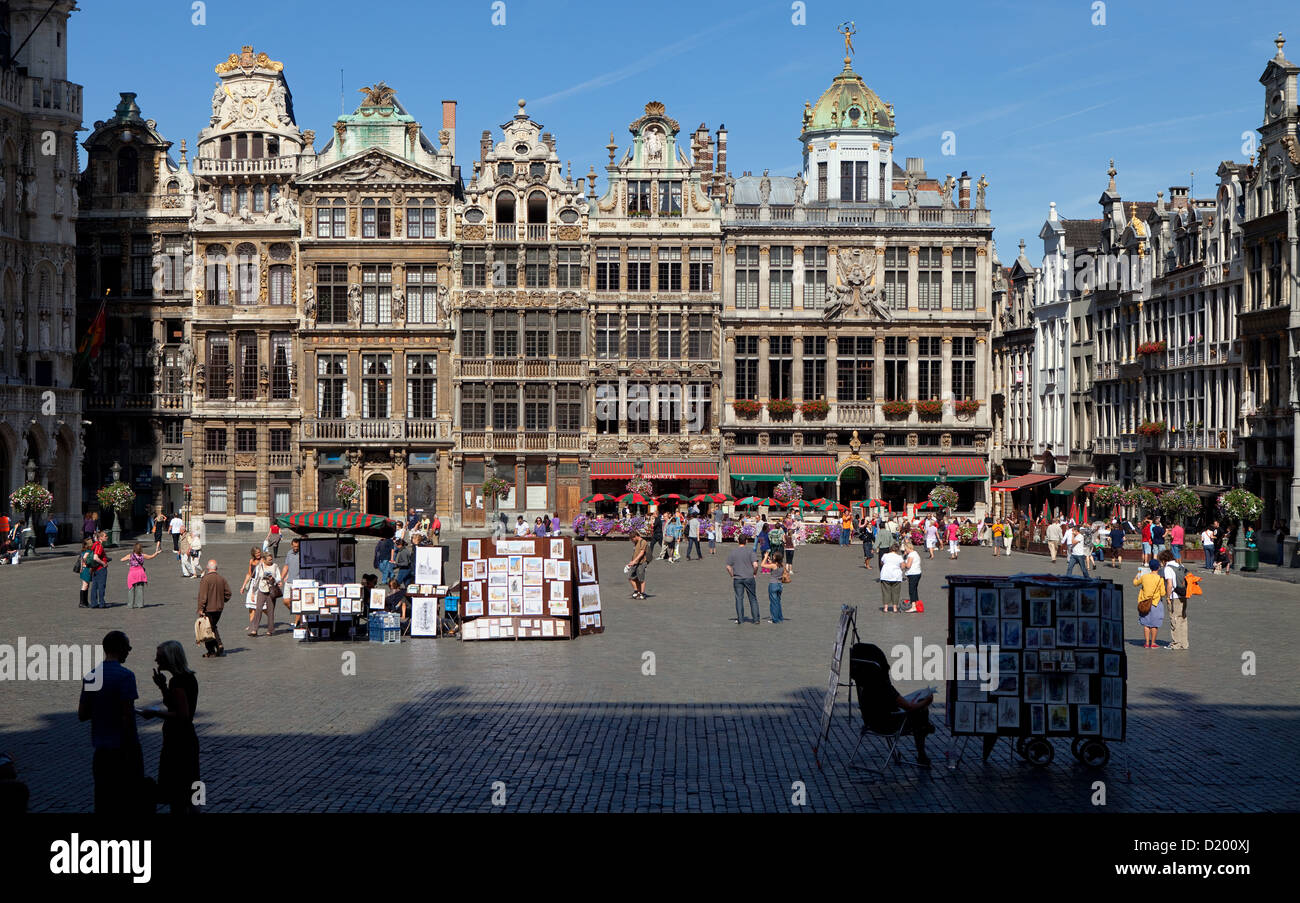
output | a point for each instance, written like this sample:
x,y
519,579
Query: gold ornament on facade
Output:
x,y
245,60
981,251
913,252
947,252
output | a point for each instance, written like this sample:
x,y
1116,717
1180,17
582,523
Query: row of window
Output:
x,y
246,439
609,270
248,197
247,366
636,406
334,398
245,493
694,331
536,333
512,407
421,294
780,278
639,198
217,274
536,265
376,219
856,364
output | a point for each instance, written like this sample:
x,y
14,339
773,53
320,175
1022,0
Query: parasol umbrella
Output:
x,y
749,501
713,498
774,503
668,497
599,497
928,505
633,498
805,505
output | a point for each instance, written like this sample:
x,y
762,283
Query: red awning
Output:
x,y
656,470
772,467
925,468
1023,482
1093,487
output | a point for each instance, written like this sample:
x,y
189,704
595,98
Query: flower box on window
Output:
x,y
930,408
1152,347
815,410
781,407
747,408
1151,428
896,408
966,406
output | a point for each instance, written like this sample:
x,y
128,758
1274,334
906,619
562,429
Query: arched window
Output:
x,y
505,207
280,283
537,207
173,187
225,148
246,273
241,198
128,171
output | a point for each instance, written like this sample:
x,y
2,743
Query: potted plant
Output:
x,y
781,407
116,497
896,409
347,491
787,491
495,488
967,406
1241,505
1151,428
1180,503
1109,496
1152,347
32,498
817,409
747,408
944,496
1140,497
642,485
931,407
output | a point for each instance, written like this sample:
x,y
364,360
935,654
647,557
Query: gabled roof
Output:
x,y
381,160
1081,233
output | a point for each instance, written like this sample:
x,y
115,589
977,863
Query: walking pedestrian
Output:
x,y
693,537
108,696
846,527
931,537
1054,539
711,531
178,762
912,570
884,541
159,528
86,561
791,541
177,526
136,576
656,536
672,537
272,542
1078,543
248,590
1177,536
403,562
1207,545
195,533
1007,535
1157,538
87,526
290,573
1151,592
214,593
891,579
384,558
99,577
51,532
1118,530
1146,539
867,533
774,587
995,531
742,565
183,550
266,586
954,540
636,568
1176,586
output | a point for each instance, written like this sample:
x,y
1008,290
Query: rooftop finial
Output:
x,y
1111,172
848,29
1280,42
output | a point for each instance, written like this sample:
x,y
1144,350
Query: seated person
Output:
x,y
396,599
368,582
884,708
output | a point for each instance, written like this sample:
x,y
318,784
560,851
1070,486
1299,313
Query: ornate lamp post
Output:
x,y
943,473
1239,553
1139,473
113,534
31,478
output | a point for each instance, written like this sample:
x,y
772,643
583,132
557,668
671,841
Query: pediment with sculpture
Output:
x,y
858,292
375,166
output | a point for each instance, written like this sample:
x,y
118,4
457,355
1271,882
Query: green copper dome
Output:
x,y
847,105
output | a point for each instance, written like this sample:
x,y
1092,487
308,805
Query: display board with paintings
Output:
x,y
527,588
328,561
428,589
328,610
1061,664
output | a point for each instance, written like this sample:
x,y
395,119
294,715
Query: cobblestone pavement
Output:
x,y
726,723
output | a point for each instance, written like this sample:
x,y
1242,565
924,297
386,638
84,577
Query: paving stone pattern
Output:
x,y
726,723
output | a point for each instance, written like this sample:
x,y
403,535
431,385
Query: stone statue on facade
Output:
x,y
20,337
654,145
444,301
65,343
218,99
279,99
18,194
43,331
980,187
911,189
124,366
31,196
354,301
799,186
945,191
59,196
764,188
399,304
309,304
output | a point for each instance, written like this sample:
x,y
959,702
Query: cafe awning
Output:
x,y
1069,486
1025,481
656,470
925,468
770,468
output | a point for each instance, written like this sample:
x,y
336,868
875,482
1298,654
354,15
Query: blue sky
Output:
x,y
1039,97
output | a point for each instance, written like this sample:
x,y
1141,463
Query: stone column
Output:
x,y
796,369
764,275
764,375
729,275
832,368
945,296
878,372
729,368
798,278
913,375
945,376
981,367
913,296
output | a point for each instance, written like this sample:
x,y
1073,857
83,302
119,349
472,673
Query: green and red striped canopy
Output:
x,y
338,520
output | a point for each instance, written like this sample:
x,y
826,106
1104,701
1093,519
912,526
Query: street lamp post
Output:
x,y
115,533
1139,472
490,499
1239,553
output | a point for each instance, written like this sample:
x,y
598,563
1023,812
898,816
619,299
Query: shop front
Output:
x,y
907,479
756,474
1023,497
681,477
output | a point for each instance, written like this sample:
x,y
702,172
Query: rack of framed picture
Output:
x,y
1060,666
528,588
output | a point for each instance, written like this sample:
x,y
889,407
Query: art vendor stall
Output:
x,y
528,588
1061,663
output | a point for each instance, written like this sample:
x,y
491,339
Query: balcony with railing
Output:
x,y
362,430
859,414
1201,440
215,166
856,214
518,368
280,460
510,440
34,400
39,93
169,402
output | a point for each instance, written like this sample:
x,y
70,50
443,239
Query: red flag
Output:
x,y
1074,511
94,340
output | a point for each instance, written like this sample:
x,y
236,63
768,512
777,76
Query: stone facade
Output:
x,y
41,434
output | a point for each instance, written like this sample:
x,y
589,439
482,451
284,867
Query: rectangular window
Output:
x,y
246,275
963,368
862,181
421,294
376,386
377,294
280,284
638,336
855,369
746,276
173,432
247,495
821,182
670,198
430,220
638,269
568,334
747,366
639,414
929,278
701,270
421,386
700,337
537,334
638,197
245,440
698,407
963,279
216,275
896,368
281,355
607,269
473,267
332,293
174,264
607,408
780,359
814,277
505,334
331,386
670,269
218,365
281,440
473,333
473,406
670,336
505,406
668,408
896,278
214,440
780,276
322,222
413,221
814,367
141,265
846,180
568,407
216,483
505,267
537,407
607,336
537,266
929,367
568,268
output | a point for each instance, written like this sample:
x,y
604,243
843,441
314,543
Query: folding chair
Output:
x,y
890,738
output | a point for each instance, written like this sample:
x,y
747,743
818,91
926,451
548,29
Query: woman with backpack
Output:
x,y
136,578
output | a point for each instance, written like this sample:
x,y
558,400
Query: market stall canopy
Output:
x,y
769,468
1069,486
925,468
1024,482
338,520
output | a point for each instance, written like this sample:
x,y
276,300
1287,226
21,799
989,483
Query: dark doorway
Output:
x,y
853,485
377,496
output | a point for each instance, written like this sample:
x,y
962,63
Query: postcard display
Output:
x,y
1061,660
330,610
328,561
528,588
427,592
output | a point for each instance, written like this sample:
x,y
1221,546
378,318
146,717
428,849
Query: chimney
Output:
x,y
1178,196
703,154
720,170
916,167
484,145
963,190
549,140
449,123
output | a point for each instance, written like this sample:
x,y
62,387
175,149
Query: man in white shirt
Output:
x,y
521,527
177,527
1054,539
1078,543
1177,605
1207,546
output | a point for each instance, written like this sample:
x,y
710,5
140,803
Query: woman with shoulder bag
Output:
x,y
891,579
775,585
83,569
265,584
136,577
249,588
912,570
1151,592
